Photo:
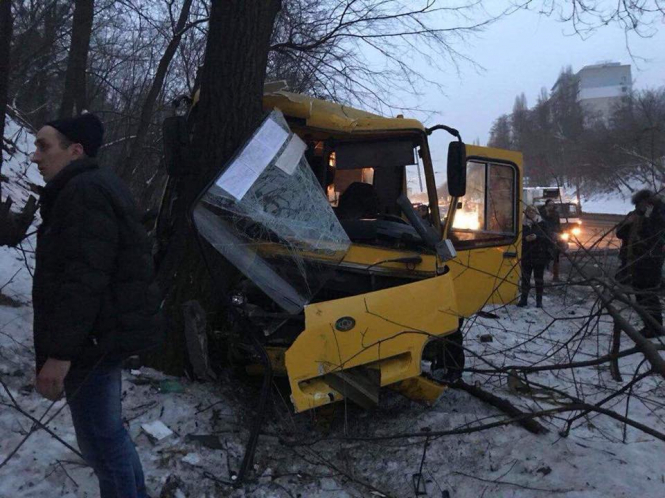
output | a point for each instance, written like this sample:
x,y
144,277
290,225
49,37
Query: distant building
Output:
x,y
601,86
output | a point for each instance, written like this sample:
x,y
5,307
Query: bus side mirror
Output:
x,y
457,169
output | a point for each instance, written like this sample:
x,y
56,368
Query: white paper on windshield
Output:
x,y
290,158
253,160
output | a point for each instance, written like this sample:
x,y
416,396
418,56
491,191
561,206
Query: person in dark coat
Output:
x,y
642,235
622,233
94,298
535,254
551,216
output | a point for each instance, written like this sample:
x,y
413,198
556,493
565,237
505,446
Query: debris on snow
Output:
x,y
157,430
208,440
172,488
193,459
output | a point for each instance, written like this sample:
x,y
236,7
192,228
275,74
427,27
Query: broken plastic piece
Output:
x,y
156,429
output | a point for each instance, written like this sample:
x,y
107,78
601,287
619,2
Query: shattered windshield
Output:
x,y
268,215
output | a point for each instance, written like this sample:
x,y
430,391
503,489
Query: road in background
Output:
x,y
597,232
596,253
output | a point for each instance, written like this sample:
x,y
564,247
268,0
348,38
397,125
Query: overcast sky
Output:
x,y
524,53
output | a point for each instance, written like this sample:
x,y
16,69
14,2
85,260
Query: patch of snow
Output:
x,y
192,459
16,264
23,175
617,202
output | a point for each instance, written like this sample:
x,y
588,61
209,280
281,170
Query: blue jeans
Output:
x,y
93,396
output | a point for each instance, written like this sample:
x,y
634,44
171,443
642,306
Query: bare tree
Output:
x,y
641,17
39,50
74,98
362,52
156,87
6,26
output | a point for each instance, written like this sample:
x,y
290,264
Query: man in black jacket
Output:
x,y
93,296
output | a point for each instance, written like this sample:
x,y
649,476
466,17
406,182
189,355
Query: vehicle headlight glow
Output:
x,y
564,236
466,219
576,231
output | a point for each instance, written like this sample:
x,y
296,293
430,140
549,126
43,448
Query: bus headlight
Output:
x,y
565,236
576,231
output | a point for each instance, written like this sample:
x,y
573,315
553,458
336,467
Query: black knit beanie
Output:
x,y
85,129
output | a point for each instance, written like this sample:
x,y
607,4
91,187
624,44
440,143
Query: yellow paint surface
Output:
x,y
391,329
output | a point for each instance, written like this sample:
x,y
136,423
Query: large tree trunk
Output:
x,y
149,104
74,95
230,108
5,46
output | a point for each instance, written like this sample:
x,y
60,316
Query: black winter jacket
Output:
x,y
642,243
553,221
536,252
93,291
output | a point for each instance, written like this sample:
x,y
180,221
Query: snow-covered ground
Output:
x,y
329,455
593,461
617,202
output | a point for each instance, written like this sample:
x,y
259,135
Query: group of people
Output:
x,y
540,236
642,253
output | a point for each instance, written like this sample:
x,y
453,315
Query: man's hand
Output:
x,y
51,378
531,237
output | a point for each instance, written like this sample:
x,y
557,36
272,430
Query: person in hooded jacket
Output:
x,y
94,299
642,235
536,244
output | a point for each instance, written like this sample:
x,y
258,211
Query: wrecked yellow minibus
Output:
x,y
357,256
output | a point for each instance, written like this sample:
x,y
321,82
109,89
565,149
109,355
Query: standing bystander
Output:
x,y
551,216
642,236
535,254
94,298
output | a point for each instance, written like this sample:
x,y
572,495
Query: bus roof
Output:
x,y
333,117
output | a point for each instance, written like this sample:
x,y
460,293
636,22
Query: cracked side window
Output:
x,y
268,215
